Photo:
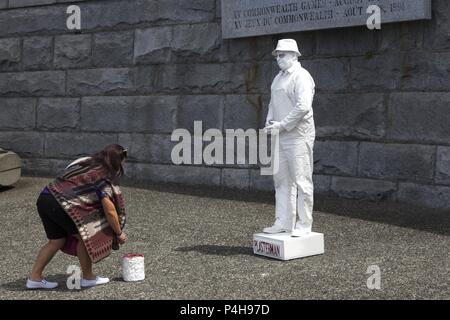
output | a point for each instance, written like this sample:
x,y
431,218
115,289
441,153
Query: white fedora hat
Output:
x,y
286,45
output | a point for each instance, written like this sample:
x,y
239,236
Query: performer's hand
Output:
x,y
274,128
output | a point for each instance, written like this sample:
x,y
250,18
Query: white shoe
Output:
x,y
300,232
274,229
95,282
43,284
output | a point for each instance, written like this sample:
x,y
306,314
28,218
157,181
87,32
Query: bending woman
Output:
x,y
83,214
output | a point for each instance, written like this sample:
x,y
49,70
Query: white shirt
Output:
x,y
292,94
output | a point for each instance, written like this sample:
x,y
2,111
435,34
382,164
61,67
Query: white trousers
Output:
x,y
294,189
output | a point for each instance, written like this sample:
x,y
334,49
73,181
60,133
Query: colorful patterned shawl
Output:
x,y
76,190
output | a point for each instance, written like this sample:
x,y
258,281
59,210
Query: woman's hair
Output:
x,y
111,157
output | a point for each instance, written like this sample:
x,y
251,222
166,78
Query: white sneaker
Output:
x,y
43,284
95,282
299,232
274,229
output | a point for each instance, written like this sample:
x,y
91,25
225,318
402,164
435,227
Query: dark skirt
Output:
x,y
56,221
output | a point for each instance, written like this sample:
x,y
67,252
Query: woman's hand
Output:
x,y
122,238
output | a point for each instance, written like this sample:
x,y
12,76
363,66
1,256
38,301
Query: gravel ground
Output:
x,y
197,245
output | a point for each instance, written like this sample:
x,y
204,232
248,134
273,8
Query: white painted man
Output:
x,y
290,115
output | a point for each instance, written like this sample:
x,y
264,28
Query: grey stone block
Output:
x,y
96,14
223,78
184,43
129,114
196,78
25,144
236,178
415,71
37,83
148,78
182,11
28,3
208,109
249,77
425,71
345,42
265,183
155,114
335,157
437,36
397,161
153,148
113,48
233,143
17,113
38,52
192,41
376,72
204,78
3,4
99,81
350,115
43,167
424,195
261,182
187,175
401,37
9,54
73,51
58,113
153,45
218,8
356,188
106,15
129,173
265,109
243,111
328,74
65,1
322,183
443,165
71,145
113,114
109,14
419,117
195,153
28,20
249,49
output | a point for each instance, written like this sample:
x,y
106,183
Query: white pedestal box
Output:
x,y
284,247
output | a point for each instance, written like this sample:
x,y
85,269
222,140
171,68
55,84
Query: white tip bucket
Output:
x,y
133,267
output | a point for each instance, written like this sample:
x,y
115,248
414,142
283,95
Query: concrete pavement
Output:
x,y
197,245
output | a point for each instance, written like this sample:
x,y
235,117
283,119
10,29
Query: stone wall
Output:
x,y
139,69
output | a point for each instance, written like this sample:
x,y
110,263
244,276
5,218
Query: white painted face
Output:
x,y
285,59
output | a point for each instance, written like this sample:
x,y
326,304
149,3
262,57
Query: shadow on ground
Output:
x,y
398,214
402,215
218,250
19,284
3,188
